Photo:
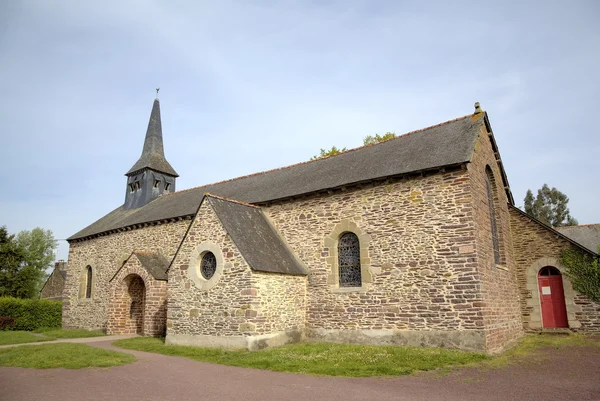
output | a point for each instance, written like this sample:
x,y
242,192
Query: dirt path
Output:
x,y
565,374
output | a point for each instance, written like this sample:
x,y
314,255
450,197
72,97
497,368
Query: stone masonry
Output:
x,y
537,246
240,304
496,282
138,302
421,253
106,254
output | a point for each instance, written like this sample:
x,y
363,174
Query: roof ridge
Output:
x,y
230,200
318,159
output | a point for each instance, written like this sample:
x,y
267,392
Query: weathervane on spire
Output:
x,y
157,89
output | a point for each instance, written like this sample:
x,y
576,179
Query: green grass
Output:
x,y
43,334
530,347
317,358
20,337
64,355
75,333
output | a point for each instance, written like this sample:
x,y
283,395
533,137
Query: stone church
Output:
x,y
412,241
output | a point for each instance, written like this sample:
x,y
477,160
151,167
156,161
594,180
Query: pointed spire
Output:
x,y
153,154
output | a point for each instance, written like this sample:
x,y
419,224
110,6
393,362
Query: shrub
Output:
x,y
584,271
6,322
30,314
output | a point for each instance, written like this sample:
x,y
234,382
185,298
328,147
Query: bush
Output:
x,y
30,314
6,322
584,271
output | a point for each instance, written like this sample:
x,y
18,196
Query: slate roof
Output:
x,y
153,154
154,263
259,243
587,235
448,144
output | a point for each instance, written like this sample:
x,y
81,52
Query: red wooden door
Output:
x,y
552,298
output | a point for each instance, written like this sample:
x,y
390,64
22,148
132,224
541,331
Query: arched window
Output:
x,y
349,260
88,282
208,265
489,179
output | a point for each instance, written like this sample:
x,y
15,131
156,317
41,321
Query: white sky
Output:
x,y
253,85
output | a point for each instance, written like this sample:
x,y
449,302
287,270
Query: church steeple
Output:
x,y
151,175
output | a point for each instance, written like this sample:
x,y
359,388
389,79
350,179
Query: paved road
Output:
x,y
571,374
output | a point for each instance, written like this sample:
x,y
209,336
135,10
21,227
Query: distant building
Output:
x,y
55,284
412,241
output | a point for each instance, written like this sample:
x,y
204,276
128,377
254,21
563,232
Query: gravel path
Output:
x,y
565,374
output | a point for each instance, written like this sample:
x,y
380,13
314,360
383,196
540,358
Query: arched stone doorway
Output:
x,y
138,300
126,314
533,313
552,298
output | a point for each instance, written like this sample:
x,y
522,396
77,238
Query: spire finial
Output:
x,y
157,89
477,108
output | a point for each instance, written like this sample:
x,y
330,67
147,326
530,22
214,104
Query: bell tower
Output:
x,y
151,175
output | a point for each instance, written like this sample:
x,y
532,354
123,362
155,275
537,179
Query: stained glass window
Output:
x,y
88,283
494,227
349,260
208,265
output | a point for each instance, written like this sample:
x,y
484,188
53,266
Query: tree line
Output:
x,y
24,258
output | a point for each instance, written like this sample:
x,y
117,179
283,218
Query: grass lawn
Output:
x,y
319,359
64,355
44,334
74,333
528,349
20,337
358,360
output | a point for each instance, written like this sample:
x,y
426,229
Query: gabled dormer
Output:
x,y
151,175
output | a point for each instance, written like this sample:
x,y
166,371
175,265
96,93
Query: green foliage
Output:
x,y
367,140
327,153
23,261
370,139
549,207
584,271
318,359
31,314
65,355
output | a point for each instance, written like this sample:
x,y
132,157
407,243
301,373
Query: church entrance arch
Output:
x,y
552,298
128,306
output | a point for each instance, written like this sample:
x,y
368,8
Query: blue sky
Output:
x,y
254,85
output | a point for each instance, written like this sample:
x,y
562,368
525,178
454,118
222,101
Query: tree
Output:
x,y
326,153
23,261
584,272
549,207
370,139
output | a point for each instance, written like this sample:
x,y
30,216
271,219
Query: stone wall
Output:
x,y
54,286
282,303
106,255
537,246
137,303
236,308
496,282
418,241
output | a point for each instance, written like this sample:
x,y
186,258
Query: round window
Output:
x,y
208,265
